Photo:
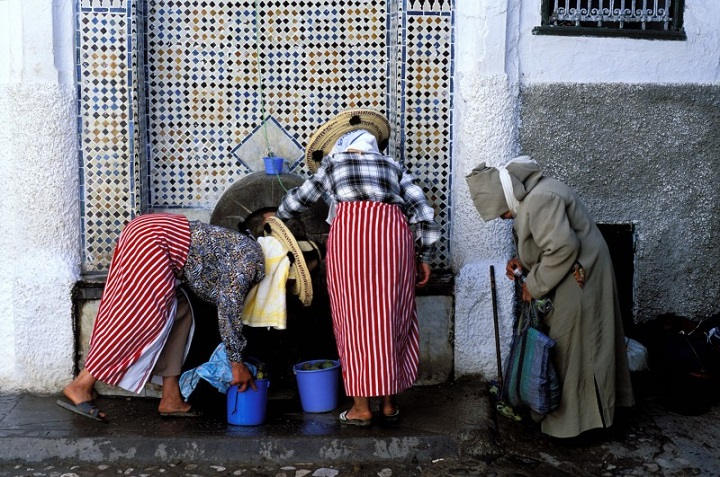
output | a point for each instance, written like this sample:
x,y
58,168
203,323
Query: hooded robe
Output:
x,y
554,230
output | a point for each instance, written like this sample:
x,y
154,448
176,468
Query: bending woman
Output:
x,y
371,267
142,329
565,256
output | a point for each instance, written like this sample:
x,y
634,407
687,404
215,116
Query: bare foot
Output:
x,y
77,394
81,389
354,413
172,405
388,406
171,400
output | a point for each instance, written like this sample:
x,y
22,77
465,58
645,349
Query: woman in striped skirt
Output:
x,y
144,325
371,256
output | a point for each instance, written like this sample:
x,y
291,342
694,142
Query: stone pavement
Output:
x,y
447,430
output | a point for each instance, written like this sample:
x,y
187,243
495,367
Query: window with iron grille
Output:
x,y
659,19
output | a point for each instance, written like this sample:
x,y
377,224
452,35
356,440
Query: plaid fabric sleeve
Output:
x,y
420,215
300,198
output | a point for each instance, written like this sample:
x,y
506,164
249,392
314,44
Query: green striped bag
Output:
x,y
530,376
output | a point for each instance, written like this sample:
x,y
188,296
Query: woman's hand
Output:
x,y
267,215
526,296
579,274
241,377
422,275
512,265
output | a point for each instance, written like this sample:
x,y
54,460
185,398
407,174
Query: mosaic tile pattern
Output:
x,y
169,95
395,54
429,6
427,113
106,129
203,91
100,5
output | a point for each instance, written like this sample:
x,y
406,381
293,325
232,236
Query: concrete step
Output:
x,y
435,419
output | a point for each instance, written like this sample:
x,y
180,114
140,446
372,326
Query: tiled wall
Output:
x,y
170,96
107,114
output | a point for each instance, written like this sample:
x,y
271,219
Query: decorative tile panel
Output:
x,y
251,151
426,109
170,98
314,58
430,6
105,95
103,5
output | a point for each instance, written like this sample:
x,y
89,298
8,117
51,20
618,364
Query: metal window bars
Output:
x,y
618,13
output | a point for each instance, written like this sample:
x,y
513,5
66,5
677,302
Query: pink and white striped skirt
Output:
x,y
371,283
138,304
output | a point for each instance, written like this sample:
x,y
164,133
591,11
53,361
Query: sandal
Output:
x,y
507,411
353,422
392,417
87,409
189,413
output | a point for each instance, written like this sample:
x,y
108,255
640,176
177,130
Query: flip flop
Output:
x,y
353,422
393,417
87,409
189,413
508,411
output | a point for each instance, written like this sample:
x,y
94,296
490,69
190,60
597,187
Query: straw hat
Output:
x,y
275,227
325,138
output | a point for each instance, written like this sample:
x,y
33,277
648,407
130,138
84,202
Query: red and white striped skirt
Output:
x,y
137,306
371,283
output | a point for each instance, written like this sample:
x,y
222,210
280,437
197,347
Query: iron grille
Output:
x,y
638,18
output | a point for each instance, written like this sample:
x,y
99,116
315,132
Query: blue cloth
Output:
x,y
216,371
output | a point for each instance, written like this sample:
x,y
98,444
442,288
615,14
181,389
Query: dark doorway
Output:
x,y
620,239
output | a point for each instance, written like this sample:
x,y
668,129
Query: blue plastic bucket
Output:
x,y
273,165
318,387
247,408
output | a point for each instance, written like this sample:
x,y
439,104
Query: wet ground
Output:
x,y
446,431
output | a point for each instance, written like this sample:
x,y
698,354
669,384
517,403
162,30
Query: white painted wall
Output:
x,y
496,53
568,59
486,121
39,214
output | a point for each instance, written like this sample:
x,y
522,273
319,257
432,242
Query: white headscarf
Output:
x,y
507,185
359,140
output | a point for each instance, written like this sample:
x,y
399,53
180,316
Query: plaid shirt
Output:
x,y
349,177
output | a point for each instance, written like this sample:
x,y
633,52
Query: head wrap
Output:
x,y
359,140
321,142
496,190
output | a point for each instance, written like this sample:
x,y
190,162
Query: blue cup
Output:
x,y
273,165
318,388
247,408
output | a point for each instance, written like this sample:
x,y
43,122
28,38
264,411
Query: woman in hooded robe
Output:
x,y
564,256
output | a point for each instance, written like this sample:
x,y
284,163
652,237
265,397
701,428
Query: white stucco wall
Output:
x,y
496,54
486,120
570,59
39,214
